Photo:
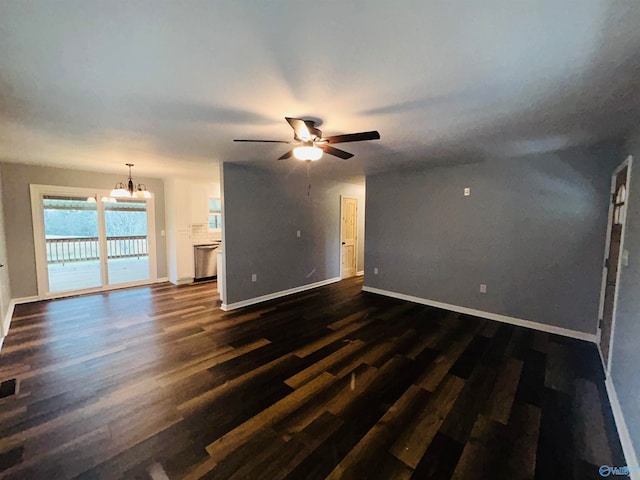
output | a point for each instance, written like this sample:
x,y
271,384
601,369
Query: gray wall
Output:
x,y
533,230
262,211
16,179
625,348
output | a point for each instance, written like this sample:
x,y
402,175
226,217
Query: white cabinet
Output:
x,y
189,202
187,211
184,257
199,204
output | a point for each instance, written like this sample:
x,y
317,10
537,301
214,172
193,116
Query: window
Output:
x,y
618,203
215,214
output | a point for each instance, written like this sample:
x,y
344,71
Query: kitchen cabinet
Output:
x,y
184,257
187,211
199,204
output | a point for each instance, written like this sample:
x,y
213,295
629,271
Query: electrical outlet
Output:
x,y
483,288
375,270
467,191
254,277
298,234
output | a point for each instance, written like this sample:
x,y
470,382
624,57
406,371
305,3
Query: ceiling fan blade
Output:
x,y
289,154
354,137
261,141
336,152
300,128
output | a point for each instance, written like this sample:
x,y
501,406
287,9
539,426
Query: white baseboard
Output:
x,y
183,281
601,356
360,273
589,337
21,300
623,432
6,322
162,279
282,293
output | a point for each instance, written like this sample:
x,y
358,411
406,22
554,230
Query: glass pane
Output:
x,y
215,220
215,205
127,242
71,237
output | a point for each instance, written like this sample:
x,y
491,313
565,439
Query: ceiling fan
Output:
x,y
310,144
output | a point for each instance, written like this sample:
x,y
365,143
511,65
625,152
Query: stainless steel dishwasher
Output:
x,y
206,264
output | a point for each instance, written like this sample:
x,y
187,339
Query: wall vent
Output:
x,y
8,388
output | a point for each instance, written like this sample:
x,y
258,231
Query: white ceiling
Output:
x,y
167,85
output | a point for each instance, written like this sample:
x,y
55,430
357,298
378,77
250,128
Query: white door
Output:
x,y
614,259
349,236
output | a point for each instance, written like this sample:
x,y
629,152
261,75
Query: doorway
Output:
x,y
615,258
86,241
348,236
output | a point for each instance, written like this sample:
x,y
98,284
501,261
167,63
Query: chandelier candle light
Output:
x,y
104,199
130,190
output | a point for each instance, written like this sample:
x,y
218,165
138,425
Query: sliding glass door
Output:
x,y
87,241
127,242
71,239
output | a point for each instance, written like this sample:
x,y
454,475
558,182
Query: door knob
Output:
x,y
344,243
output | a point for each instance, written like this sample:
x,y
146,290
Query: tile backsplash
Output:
x,y
201,234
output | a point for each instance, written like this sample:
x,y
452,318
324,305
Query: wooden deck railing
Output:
x,y
82,249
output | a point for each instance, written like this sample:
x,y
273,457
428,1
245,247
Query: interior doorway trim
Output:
x,y
627,163
355,250
37,216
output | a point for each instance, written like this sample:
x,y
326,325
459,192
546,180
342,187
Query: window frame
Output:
x,y
215,212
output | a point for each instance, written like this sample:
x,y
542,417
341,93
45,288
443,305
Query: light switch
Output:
x,y
298,234
254,277
375,271
467,191
625,258
483,288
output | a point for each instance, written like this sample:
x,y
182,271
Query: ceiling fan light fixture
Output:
x,y
307,153
312,145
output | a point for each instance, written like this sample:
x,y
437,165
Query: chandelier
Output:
x,y
130,190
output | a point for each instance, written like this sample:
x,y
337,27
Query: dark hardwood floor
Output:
x,y
157,382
